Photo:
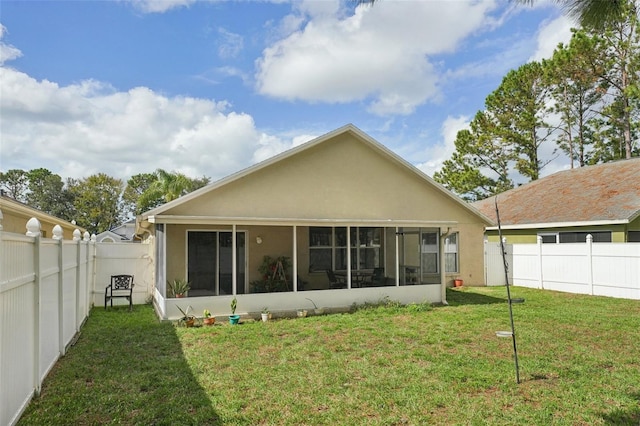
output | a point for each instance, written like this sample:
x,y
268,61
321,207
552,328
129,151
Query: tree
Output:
x,y
15,183
136,186
97,202
479,166
47,192
592,13
519,109
576,94
589,13
167,187
618,67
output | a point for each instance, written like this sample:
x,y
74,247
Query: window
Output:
x,y
633,236
451,253
581,237
320,249
430,252
369,243
549,238
328,248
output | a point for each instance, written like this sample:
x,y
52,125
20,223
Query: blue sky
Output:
x,y
211,87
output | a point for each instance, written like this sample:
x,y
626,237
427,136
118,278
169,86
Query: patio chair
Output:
x,y
335,281
120,286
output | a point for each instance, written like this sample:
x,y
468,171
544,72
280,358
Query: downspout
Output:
x,y
295,258
443,282
348,257
234,261
397,258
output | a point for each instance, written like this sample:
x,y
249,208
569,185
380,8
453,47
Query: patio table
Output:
x,y
358,278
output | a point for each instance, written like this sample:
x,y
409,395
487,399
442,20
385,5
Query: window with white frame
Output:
x,y
549,238
581,237
451,253
328,248
429,249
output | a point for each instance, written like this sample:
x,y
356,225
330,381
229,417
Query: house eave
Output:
x,y
9,205
289,153
560,224
270,221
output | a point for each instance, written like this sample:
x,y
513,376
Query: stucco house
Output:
x,y
121,233
15,216
408,236
602,200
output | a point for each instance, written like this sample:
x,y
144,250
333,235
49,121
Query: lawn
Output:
x,y
387,365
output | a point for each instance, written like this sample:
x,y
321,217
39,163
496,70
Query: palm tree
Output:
x,y
167,187
591,13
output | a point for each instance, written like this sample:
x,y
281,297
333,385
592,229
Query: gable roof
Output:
x,y
10,205
602,194
349,129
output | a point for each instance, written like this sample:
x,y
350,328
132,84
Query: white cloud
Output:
x,y
7,52
550,34
159,6
439,153
272,145
231,44
85,128
379,54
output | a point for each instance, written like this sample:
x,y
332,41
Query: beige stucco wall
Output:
x,y
15,221
342,178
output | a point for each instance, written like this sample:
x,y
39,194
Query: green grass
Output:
x,y
388,365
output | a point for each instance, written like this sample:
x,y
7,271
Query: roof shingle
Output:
x,y
604,192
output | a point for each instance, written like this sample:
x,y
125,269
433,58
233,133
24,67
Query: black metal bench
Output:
x,y
120,286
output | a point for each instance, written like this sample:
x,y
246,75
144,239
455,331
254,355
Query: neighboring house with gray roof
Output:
x,y
601,200
121,233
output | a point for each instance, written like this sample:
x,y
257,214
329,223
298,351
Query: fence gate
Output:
x,y
494,265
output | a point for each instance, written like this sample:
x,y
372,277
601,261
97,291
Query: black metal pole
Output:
x,y
506,280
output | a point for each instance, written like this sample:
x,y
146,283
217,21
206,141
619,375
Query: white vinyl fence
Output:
x,y
494,265
600,269
47,288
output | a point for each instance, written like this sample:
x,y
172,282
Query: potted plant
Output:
x,y
266,315
316,310
179,287
458,282
208,319
233,318
187,319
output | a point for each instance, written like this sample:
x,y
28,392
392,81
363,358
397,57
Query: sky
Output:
x,y
208,88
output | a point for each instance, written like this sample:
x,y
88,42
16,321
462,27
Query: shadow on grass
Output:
x,y
457,297
126,368
630,416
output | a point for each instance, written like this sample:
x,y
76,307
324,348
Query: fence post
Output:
x,y
78,239
33,230
590,261
540,277
57,235
91,274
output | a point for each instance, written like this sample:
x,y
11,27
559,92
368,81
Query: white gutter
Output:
x,y
219,220
561,224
